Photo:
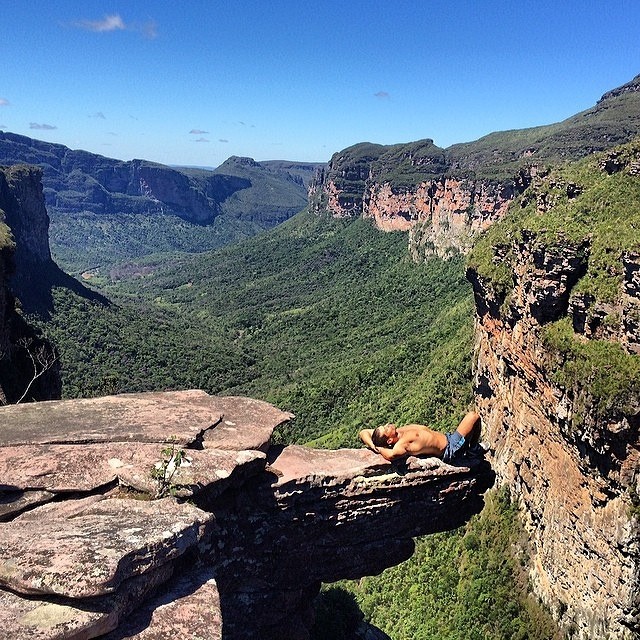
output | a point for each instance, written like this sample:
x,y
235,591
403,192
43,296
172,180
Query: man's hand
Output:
x,y
365,436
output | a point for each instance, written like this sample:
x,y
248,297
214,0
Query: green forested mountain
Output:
x,y
326,318
103,210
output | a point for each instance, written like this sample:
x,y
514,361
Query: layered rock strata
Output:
x,y
146,515
572,465
442,212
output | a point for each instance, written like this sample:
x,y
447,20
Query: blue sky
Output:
x,y
193,82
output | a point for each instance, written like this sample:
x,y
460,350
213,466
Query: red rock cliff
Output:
x,y
572,465
411,188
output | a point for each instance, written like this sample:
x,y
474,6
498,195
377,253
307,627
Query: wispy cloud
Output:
x,y
381,94
108,23
198,131
222,140
115,22
4,102
202,140
149,29
98,114
3,126
42,127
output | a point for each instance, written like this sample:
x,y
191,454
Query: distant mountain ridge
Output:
x,y
104,209
446,197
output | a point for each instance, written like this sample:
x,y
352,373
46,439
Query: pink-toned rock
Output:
x,y
571,464
297,463
60,619
246,424
188,607
353,469
82,468
91,552
13,502
138,417
208,471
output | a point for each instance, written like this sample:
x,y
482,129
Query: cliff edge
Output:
x,y
170,513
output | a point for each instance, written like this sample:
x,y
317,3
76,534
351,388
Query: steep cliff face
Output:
x,y
25,213
558,385
25,263
410,188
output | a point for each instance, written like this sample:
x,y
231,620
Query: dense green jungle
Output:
x,y
329,319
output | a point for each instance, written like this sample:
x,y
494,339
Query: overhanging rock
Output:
x,y
102,538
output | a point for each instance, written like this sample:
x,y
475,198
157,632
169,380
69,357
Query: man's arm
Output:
x,y
365,436
398,451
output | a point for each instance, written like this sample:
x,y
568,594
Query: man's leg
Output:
x,y
469,427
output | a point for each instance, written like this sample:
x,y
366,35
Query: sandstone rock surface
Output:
x,y
233,542
573,472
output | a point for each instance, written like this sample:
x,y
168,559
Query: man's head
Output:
x,y
385,435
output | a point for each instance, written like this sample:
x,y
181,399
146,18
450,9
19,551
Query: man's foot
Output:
x,y
477,451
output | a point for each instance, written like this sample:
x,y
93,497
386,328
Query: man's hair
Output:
x,y
378,438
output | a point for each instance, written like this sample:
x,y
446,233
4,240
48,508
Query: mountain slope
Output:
x,y
326,318
103,210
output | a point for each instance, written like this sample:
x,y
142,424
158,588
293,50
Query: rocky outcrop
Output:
x,y
570,462
169,513
412,191
619,320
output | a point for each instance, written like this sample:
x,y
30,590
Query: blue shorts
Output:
x,y
455,442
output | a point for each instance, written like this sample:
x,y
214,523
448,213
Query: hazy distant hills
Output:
x,y
104,210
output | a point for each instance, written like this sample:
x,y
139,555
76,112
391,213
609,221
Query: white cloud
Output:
x,y
4,102
115,22
202,140
149,29
42,127
222,140
108,23
198,131
381,94
98,114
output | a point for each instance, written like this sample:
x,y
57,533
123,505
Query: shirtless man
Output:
x,y
393,442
